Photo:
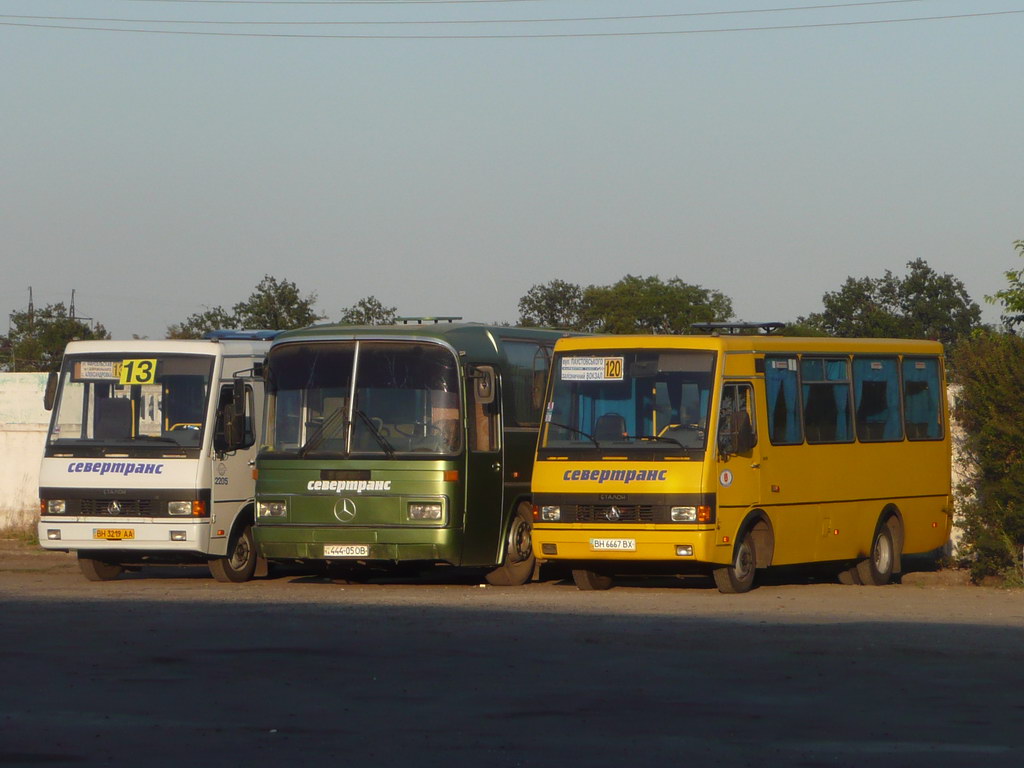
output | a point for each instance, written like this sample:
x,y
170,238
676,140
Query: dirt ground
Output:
x,y
166,666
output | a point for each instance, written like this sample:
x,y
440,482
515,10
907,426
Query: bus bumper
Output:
x,y
276,542
585,544
125,535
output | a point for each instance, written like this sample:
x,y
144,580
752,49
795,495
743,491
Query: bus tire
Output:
x,y
877,569
98,570
739,576
519,560
850,576
240,563
590,580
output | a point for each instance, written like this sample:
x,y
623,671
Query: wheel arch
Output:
x,y
247,516
759,525
510,513
892,517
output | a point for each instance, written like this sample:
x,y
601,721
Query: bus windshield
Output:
x,y
137,405
630,401
366,398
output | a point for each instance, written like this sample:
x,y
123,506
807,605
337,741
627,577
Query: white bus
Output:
x,y
148,459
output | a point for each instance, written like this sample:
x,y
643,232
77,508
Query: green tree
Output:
x,y
1011,298
650,305
274,304
802,326
369,311
988,369
196,325
277,305
36,340
921,305
556,304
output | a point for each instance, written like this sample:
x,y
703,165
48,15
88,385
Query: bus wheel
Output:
x,y
850,576
98,570
590,580
240,564
519,560
738,577
877,569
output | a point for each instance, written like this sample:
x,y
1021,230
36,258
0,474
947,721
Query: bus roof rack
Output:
x,y
718,329
231,334
421,320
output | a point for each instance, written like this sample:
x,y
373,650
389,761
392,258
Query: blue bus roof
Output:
x,y
229,334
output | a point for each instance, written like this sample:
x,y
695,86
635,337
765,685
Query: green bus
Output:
x,y
402,445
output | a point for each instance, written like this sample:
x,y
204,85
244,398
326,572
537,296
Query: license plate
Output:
x,y
346,550
613,545
113,534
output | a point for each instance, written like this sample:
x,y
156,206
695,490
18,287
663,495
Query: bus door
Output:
x,y
484,481
232,475
739,459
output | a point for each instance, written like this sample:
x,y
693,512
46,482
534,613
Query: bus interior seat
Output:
x,y
609,426
113,420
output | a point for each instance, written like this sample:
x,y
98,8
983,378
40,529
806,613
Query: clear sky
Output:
x,y
158,174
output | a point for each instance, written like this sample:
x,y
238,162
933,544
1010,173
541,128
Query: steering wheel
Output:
x,y
419,429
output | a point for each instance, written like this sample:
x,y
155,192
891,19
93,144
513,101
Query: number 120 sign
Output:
x,y
591,369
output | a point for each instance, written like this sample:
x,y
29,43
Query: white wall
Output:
x,y
23,423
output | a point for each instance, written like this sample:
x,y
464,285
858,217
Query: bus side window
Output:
x,y
227,398
484,410
736,432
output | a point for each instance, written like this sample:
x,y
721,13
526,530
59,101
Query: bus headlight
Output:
x,y
179,508
56,506
684,514
550,513
699,514
420,510
271,509
195,507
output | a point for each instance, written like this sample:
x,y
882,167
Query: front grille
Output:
x,y
615,513
118,507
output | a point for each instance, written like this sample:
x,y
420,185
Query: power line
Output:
x,y
649,33
330,2
641,17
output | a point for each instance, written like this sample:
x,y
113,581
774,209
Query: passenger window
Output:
x,y
826,399
922,399
527,375
876,392
782,388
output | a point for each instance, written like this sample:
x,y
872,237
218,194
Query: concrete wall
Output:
x,y
23,424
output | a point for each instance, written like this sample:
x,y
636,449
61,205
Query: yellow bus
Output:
x,y
728,453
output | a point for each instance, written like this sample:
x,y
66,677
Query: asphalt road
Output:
x,y
168,667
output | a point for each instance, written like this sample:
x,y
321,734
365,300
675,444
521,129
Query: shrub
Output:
x,y
989,371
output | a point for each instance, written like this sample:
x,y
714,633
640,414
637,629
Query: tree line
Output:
x,y
986,364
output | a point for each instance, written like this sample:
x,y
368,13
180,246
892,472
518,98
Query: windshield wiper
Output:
x,y
577,431
381,440
656,437
327,426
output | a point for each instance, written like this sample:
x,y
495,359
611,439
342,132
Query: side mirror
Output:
x,y
735,434
233,418
484,384
50,395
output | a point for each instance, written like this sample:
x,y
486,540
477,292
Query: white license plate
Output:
x,y
346,550
613,545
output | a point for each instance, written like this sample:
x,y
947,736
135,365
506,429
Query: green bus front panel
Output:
x,y
360,510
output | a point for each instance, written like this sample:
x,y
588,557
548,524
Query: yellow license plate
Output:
x,y
113,534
